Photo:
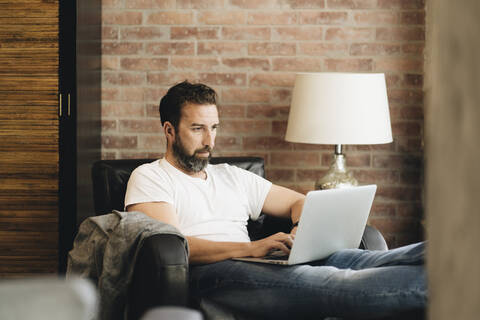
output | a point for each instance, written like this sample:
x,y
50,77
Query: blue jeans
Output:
x,y
349,283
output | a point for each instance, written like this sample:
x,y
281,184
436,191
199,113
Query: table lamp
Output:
x,y
338,109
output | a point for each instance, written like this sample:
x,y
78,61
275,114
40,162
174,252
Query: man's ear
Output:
x,y
169,130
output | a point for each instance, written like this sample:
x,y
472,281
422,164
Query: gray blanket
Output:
x,y
105,250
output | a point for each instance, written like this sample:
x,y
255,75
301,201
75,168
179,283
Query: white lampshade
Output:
x,y
339,108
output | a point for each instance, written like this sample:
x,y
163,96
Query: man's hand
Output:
x,y
279,241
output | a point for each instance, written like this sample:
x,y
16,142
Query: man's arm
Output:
x,y
205,251
285,203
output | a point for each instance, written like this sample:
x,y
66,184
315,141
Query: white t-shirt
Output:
x,y
217,208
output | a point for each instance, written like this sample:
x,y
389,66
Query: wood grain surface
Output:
x,y
28,137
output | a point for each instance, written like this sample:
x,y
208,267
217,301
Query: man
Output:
x,y
211,204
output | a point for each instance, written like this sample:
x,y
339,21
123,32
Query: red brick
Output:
x,y
171,48
255,4
121,48
150,4
247,63
411,113
223,79
235,95
346,33
411,178
323,49
295,159
272,49
407,144
376,176
122,109
123,78
226,142
155,94
348,64
376,18
297,64
392,80
245,126
170,78
203,33
305,175
265,143
311,17
121,18
380,209
413,48
280,175
199,4
282,95
149,126
401,4
109,126
152,111
351,4
110,63
267,111
413,18
399,225
353,160
406,129
398,193
374,49
413,80
194,63
170,17
397,162
140,155
110,93
144,64
401,34
410,210
231,111
279,128
272,79
221,18
132,93
307,4
297,33
221,48
152,142
119,142
141,33
245,33
303,188
405,96
272,18
109,33
399,64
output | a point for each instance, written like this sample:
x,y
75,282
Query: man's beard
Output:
x,y
190,163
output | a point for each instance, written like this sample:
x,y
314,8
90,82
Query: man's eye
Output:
x,y
196,128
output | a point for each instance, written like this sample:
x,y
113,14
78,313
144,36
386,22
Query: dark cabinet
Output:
x,y
49,128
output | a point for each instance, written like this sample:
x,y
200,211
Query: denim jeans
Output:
x,y
349,283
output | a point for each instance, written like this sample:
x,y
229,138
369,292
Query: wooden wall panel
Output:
x,y
28,137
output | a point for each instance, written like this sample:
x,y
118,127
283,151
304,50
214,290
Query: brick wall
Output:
x,y
249,51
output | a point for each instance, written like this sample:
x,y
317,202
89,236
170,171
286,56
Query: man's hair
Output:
x,y
179,95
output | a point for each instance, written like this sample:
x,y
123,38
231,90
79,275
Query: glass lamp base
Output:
x,y
337,175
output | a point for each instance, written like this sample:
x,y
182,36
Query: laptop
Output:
x,y
331,220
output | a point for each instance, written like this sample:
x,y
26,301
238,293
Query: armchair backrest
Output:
x,y
110,178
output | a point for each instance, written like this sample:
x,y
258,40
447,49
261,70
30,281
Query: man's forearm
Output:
x,y
205,251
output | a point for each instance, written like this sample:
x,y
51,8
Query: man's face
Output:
x,y
195,136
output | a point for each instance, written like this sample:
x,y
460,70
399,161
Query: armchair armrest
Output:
x,y
372,239
160,275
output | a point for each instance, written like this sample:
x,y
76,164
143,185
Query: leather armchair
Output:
x,y
161,271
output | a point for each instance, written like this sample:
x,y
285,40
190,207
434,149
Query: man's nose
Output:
x,y
209,139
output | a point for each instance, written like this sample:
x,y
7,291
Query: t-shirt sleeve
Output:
x,y
256,189
147,185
